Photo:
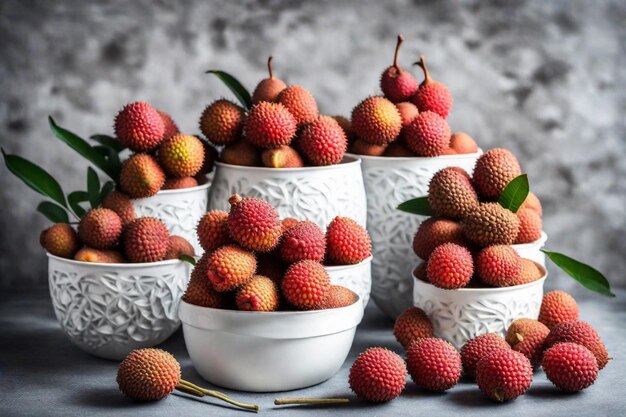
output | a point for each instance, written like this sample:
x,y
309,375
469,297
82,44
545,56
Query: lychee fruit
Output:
x,y
338,297
570,366
179,183
181,155
451,194
376,120
462,143
170,127
504,374
241,153
229,267
434,232
283,157
491,224
532,202
300,103
99,256
428,134
347,242
254,223
200,291
212,230
360,147
269,88
413,324
60,240
303,241
432,95
346,125
210,156
120,204
398,150
148,374
408,112
530,272
529,226
557,307
139,127
498,265
178,246
450,266
100,228
528,336
258,294
420,272
306,284
222,122
578,331
270,125
397,84
493,171
433,364
323,141
146,239
377,375
288,223
141,176
479,347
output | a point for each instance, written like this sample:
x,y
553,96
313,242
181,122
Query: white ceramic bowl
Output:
x,y
462,314
108,310
268,351
180,210
312,193
532,250
389,182
357,278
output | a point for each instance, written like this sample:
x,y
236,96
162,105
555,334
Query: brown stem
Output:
x,y
189,390
220,396
422,63
269,67
395,55
289,401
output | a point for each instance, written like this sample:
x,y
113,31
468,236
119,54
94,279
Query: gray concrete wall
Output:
x,y
544,79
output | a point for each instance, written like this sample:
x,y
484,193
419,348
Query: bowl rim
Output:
x,y
348,160
200,187
418,158
126,265
333,268
542,239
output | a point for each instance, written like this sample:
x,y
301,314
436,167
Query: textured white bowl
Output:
x,y
462,314
108,310
389,182
532,250
357,278
180,210
268,351
310,193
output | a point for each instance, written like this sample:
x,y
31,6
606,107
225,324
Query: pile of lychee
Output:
x,y
163,158
409,119
570,351
468,241
282,129
112,234
255,261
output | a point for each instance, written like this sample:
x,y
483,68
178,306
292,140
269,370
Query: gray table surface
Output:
x,y
43,374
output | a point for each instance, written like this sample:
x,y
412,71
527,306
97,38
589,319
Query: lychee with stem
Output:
x,y
397,84
270,125
528,336
222,122
433,364
428,134
411,325
300,103
378,375
253,223
450,266
432,95
323,142
139,127
269,88
504,374
60,240
376,120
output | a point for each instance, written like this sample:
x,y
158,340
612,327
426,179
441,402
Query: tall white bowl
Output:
x,y
268,351
109,310
312,193
462,314
390,181
357,278
180,210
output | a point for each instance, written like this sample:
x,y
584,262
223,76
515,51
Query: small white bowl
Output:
x,y
357,277
109,310
312,193
180,210
390,181
462,314
268,351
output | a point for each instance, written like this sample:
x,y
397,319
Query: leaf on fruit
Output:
x,y
587,276
35,177
235,86
109,142
515,193
106,190
74,199
419,206
53,212
93,187
188,259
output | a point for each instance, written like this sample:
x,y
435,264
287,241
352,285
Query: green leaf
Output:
x,y
515,193
93,187
188,259
109,142
106,190
112,160
586,275
35,177
235,86
74,199
419,205
53,212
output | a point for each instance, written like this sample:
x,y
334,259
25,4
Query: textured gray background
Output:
x,y
545,79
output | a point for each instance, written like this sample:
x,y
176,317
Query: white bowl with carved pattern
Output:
x,y
180,210
108,310
462,314
357,277
390,181
317,194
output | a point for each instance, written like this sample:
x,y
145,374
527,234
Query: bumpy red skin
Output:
x,y
413,324
584,334
498,265
259,294
230,267
451,193
462,143
529,226
428,134
378,375
254,224
450,266
528,336
141,176
303,241
323,142
338,297
300,102
121,204
177,247
570,366
479,347
148,374
493,171
268,89
222,122
435,232
347,242
433,96
170,127
270,125
200,291
376,120
433,364
491,224
180,183
100,228
504,374
557,307
398,85
61,240
146,239
139,127
306,284
213,230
